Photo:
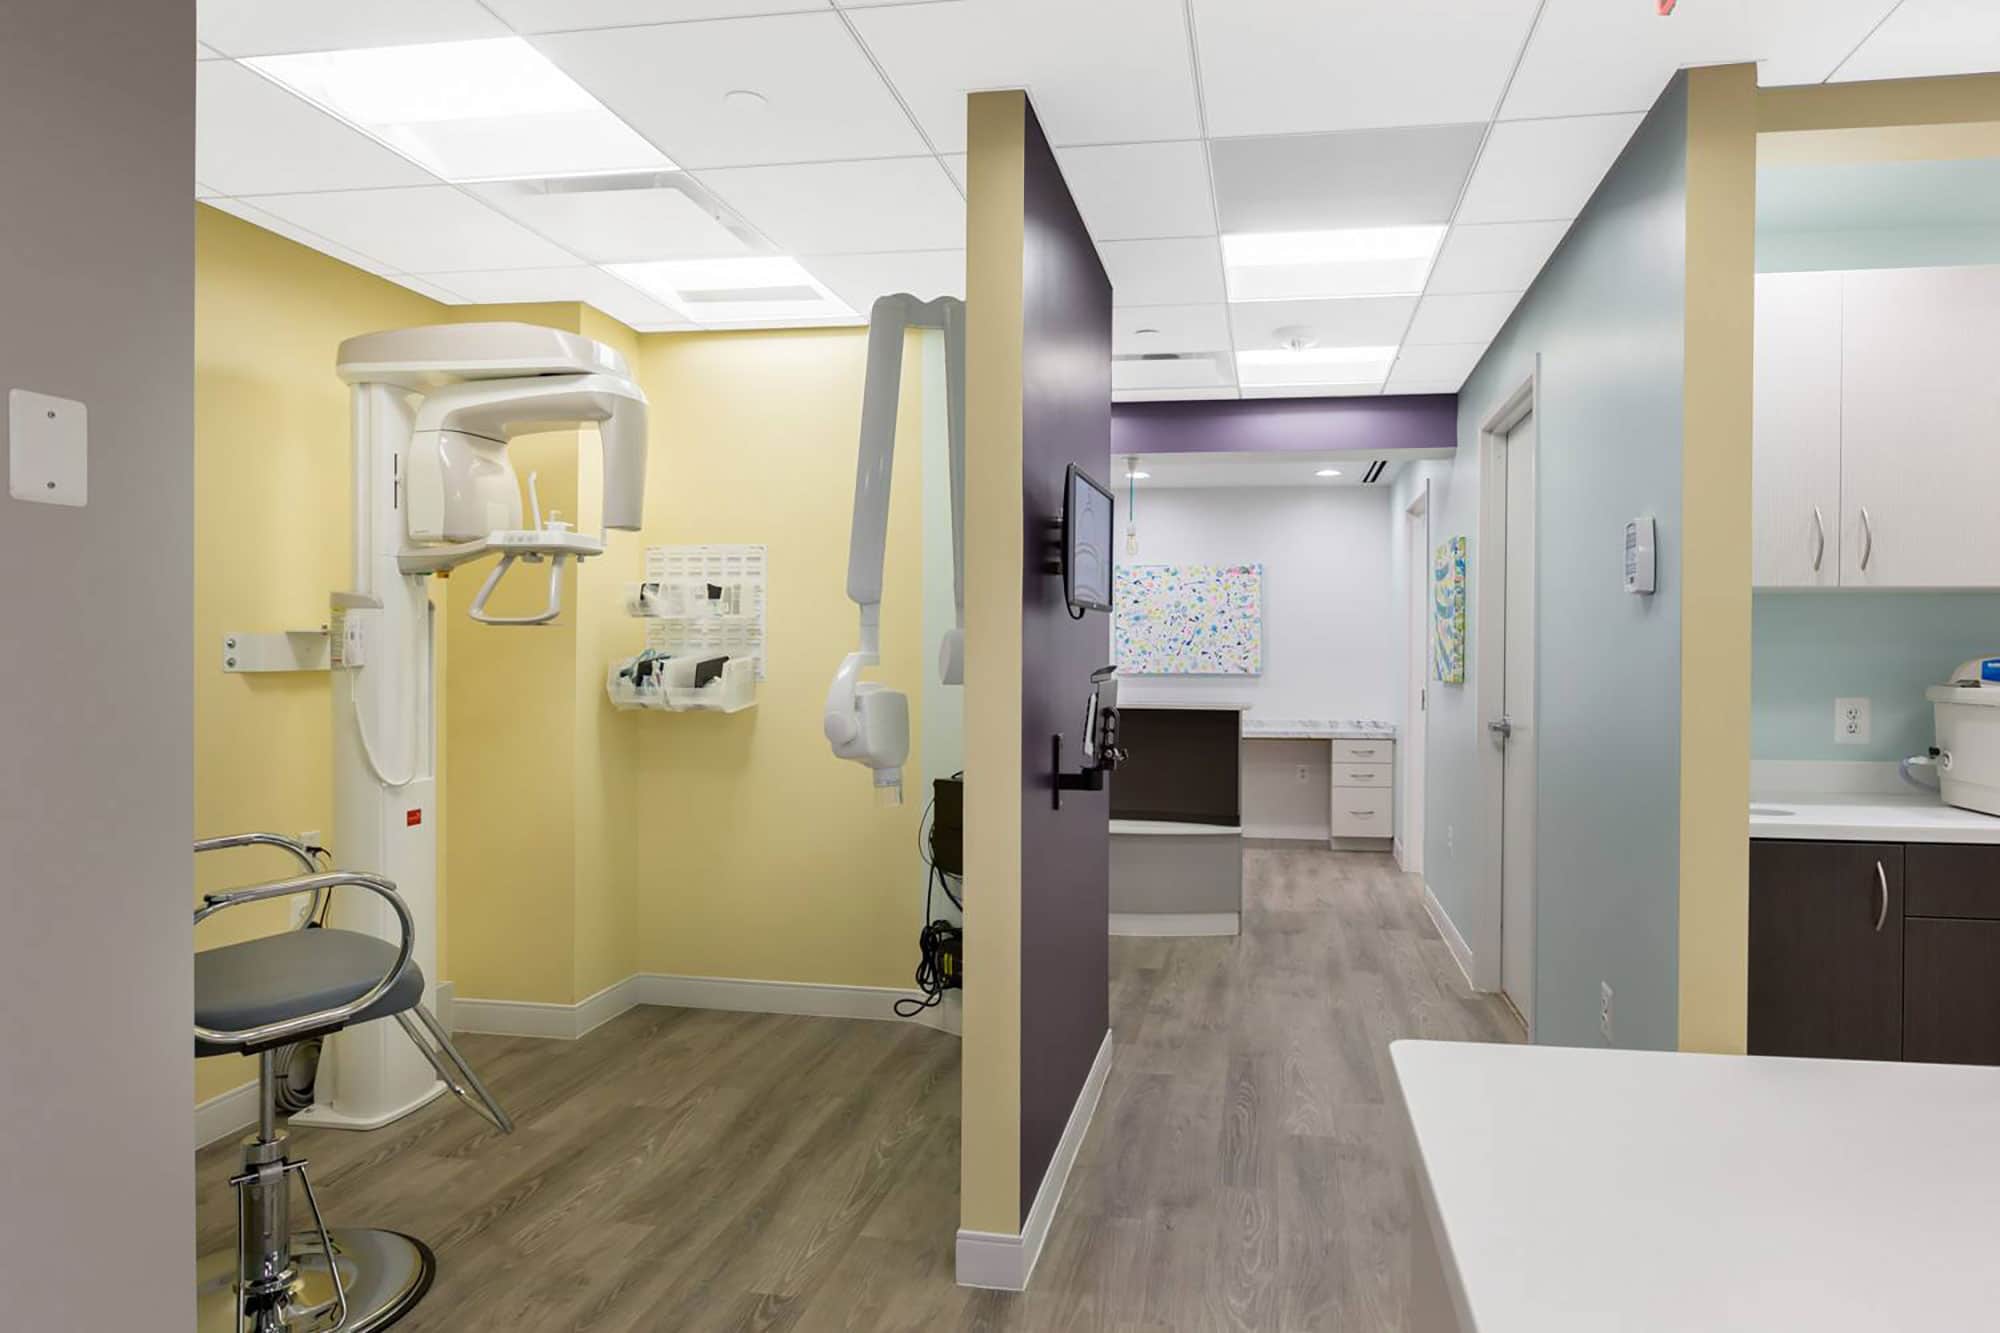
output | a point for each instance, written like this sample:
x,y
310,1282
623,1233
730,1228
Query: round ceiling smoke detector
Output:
x,y
1296,337
744,99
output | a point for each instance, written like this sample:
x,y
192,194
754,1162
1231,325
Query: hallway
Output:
x,y
744,1171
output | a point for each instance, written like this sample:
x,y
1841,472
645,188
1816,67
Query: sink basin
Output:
x,y
1770,812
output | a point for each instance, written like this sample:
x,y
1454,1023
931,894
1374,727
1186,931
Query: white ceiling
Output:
x,y
1174,120
1191,471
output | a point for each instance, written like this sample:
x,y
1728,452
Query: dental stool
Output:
x,y
256,997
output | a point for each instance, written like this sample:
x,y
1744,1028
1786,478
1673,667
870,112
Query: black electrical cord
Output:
x,y
938,941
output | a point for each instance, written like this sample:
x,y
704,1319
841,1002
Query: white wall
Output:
x,y
1331,624
96,717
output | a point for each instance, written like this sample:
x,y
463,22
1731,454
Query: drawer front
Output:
x,y
1363,775
1362,813
1364,752
1948,879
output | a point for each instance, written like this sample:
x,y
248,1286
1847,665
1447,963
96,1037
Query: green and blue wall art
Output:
x,y
1448,611
1189,620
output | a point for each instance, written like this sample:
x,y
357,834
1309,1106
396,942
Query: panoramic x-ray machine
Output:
x,y
865,720
434,409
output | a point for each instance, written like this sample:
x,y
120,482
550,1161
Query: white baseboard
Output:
x,y
566,1022
225,1115
1461,953
1176,923
1361,844
1003,1261
441,999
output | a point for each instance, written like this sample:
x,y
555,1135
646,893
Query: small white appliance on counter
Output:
x,y
1968,736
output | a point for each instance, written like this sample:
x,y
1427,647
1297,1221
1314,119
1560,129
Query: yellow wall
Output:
x,y
760,854
1715,558
271,541
990,1140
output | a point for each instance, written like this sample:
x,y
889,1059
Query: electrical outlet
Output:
x,y
1850,721
1604,1010
1305,773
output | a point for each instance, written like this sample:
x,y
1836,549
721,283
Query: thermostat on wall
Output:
x,y
1641,565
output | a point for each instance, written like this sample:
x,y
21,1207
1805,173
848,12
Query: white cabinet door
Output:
x,y
1795,455
1920,428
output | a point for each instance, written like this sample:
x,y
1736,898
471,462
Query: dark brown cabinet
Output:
x,y
1826,949
1951,1002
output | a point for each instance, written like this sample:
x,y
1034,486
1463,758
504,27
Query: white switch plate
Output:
x,y
1850,721
48,455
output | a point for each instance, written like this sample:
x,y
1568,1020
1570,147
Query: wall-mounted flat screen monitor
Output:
x,y
1087,542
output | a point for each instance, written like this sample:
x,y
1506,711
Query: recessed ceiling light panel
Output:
x,y
755,291
1327,472
1317,265
1273,367
493,109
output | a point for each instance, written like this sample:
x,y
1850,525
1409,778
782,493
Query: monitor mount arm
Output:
x,y
866,721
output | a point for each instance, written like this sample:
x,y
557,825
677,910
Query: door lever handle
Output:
x,y
1501,728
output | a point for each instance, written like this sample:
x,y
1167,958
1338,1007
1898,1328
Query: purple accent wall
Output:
x,y
1065,854
1286,425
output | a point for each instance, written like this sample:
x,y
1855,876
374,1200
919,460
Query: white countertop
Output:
x,y
1315,728
1870,817
1580,1191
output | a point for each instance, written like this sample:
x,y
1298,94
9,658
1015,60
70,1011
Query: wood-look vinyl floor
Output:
x,y
692,1170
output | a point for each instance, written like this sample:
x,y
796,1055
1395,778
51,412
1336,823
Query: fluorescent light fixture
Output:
x,y
1269,367
1327,472
755,291
1140,476
493,109
1316,265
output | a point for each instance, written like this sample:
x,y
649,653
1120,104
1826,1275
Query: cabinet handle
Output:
x,y
1867,537
1361,777
1362,814
1364,754
1819,534
1881,883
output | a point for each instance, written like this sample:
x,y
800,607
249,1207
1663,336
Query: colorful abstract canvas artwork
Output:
x,y
1448,611
1189,620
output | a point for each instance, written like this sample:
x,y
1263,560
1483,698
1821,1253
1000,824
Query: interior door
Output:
x,y
1920,428
1410,745
1795,453
1517,804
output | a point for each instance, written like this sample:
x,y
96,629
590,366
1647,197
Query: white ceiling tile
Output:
x,y
1460,319
1104,71
269,27
821,99
1494,256
1135,191
860,279
1312,391
1446,364
1592,56
434,229
311,240
1288,66
206,53
610,220
1168,272
425,287
1174,328
204,192
253,137
1194,370
621,301
905,203
1396,388
1365,321
1535,170
1926,37
1360,178
569,15
955,164
1173,395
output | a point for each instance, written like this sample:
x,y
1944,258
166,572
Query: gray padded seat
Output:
x,y
298,972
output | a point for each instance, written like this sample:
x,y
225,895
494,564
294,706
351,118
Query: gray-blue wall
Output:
x,y
1607,320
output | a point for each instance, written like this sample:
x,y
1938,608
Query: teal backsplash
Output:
x,y
1810,648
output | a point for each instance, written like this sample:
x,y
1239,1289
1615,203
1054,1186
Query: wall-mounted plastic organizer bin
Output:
x,y
731,692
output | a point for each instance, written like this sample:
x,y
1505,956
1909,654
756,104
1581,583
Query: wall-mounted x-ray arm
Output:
x,y
866,721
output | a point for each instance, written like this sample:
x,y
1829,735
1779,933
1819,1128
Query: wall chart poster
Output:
x,y
1448,611
1189,620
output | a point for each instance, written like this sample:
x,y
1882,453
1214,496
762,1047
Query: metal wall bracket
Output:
x,y
288,650
1089,779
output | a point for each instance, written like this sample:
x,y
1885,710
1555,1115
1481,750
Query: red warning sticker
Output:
x,y
412,818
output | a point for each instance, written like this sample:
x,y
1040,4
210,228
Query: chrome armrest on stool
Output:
x,y
361,1280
